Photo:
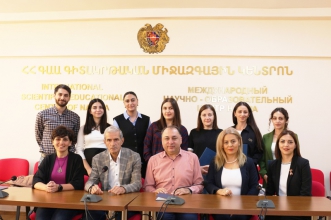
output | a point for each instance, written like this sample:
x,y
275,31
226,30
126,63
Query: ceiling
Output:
x,y
19,6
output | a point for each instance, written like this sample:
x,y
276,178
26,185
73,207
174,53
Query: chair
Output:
x,y
35,168
14,167
260,177
139,216
317,175
317,189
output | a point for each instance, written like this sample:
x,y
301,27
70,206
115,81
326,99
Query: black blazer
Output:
x,y
299,181
249,178
248,137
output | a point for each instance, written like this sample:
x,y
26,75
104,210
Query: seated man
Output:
x,y
173,168
123,175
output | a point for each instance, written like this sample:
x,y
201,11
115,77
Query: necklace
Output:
x,y
60,166
231,161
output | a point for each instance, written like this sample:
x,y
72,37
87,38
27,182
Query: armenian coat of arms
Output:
x,y
153,39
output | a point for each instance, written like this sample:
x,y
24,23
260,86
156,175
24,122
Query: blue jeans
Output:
x,y
56,214
178,216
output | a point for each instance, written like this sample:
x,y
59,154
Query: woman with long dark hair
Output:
x,y
279,118
245,124
289,174
90,136
205,134
170,115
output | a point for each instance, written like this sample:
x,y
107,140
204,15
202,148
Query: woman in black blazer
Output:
x,y
289,174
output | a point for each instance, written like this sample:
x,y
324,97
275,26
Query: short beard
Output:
x,y
61,105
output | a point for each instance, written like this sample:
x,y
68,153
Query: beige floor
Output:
x,y
9,215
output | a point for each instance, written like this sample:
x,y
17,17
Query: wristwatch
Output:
x,y
60,188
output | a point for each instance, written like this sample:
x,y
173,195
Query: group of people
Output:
x,y
133,147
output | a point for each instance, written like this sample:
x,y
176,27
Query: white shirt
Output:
x,y
284,170
114,171
91,140
126,116
273,147
231,179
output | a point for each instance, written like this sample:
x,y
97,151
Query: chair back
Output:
x,y
317,189
13,167
317,175
142,185
35,168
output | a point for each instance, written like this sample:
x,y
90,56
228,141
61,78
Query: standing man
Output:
x,y
48,119
173,168
123,175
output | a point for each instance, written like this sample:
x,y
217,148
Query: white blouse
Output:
x,y
91,140
284,171
273,148
231,179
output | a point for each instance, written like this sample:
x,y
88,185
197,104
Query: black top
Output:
x,y
199,140
74,172
133,135
249,138
298,180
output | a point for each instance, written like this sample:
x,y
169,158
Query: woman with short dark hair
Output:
x,y
58,172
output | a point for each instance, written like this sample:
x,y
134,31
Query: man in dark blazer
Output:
x,y
123,174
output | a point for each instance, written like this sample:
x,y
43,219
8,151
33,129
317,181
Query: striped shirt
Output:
x,y
47,120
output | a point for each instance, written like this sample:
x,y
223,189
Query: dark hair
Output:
x,y
250,121
161,123
128,93
281,110
62,86
171,127
90,123
296,151
200,124
62,131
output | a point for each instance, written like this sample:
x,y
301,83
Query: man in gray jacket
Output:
x,y
123,175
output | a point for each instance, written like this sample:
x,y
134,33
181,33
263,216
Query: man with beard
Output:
x,y
48,119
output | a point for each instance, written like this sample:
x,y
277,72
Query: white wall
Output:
x,y
239,39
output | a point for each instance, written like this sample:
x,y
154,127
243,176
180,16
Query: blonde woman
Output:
x,y
231,172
